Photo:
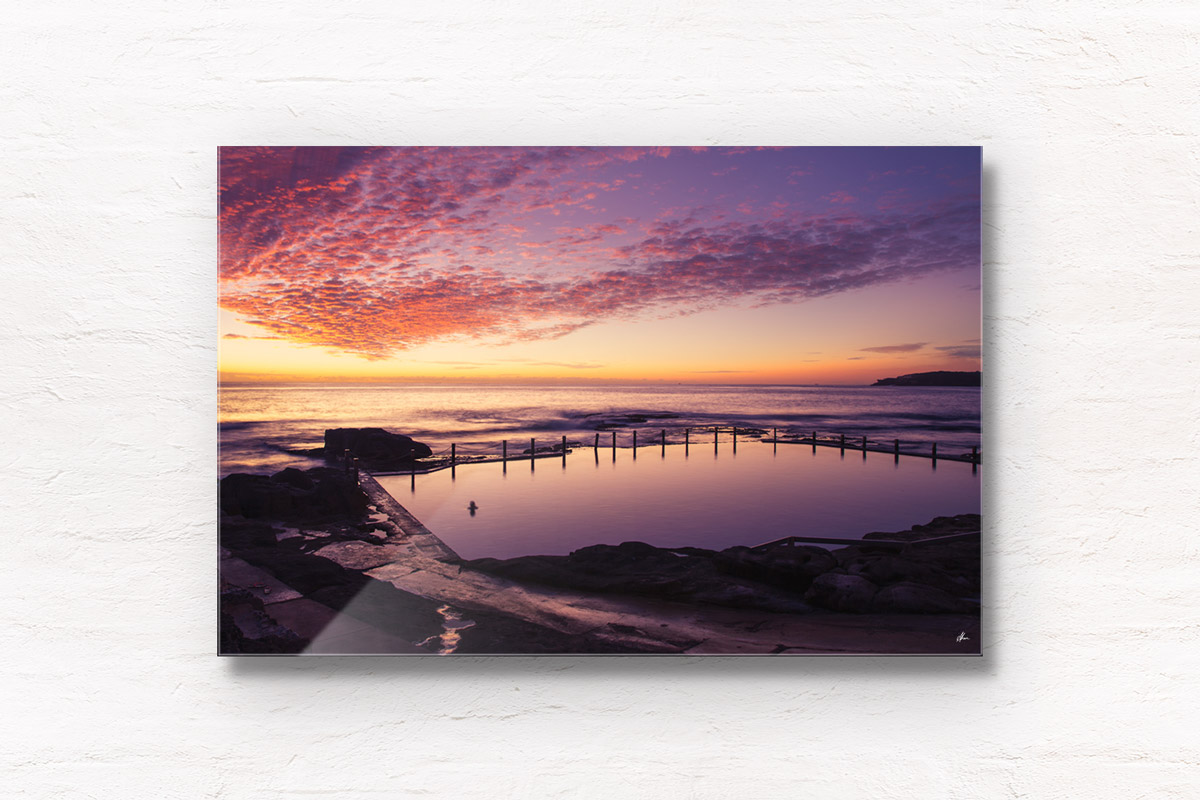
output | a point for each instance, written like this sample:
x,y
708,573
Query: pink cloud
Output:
x,y
377,251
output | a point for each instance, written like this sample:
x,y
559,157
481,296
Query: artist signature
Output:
x,y
962,637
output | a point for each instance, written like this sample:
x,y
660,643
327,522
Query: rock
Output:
x,y
293,477
238,533
939,526
374,447
680,574
338,494
952,566
883,570
254,496
292,494
246,628
916,598
787,567
837,592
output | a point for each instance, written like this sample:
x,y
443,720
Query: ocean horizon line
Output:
x,y
243,384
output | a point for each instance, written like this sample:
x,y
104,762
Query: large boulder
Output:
x,y
916,598
838,592
784,566
294,477
375,447
885,569
292,494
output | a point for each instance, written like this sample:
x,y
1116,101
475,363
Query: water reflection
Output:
x,y
763,494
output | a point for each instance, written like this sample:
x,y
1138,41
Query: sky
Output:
x,y
794,265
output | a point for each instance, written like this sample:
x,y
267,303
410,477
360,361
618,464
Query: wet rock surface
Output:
x,y
293,562
246,628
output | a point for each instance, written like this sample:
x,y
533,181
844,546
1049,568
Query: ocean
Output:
x,y
260,423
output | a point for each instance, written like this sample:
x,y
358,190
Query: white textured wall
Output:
x,y
110,114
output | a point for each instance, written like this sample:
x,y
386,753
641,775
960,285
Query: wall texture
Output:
x,y
1087,113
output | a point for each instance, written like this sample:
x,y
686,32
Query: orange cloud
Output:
x,y
373,251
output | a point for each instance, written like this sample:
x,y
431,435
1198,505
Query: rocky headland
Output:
x,y
933,379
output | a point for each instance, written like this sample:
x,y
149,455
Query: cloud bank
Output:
x,y
375,251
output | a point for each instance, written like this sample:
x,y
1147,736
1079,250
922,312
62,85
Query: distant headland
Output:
x,y
932,379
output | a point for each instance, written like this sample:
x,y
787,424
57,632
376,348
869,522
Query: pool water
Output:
x,y
699,496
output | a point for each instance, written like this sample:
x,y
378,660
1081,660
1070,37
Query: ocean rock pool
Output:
x,y
677,496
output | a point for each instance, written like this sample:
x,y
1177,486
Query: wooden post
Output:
x,y
596,444
896,448
664,438
974,455
635,443
775,435
453,456
843,442
532,453
504,451
564,444
864,448
714,435
814,441
686,434
935,451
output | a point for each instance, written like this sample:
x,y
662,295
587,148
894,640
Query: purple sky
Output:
x,y
614,262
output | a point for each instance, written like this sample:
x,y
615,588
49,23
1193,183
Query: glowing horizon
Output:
x,y
690,265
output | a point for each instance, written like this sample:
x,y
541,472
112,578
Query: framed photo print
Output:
x,y
600,400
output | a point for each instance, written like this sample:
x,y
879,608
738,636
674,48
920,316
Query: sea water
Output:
x,y
261,423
